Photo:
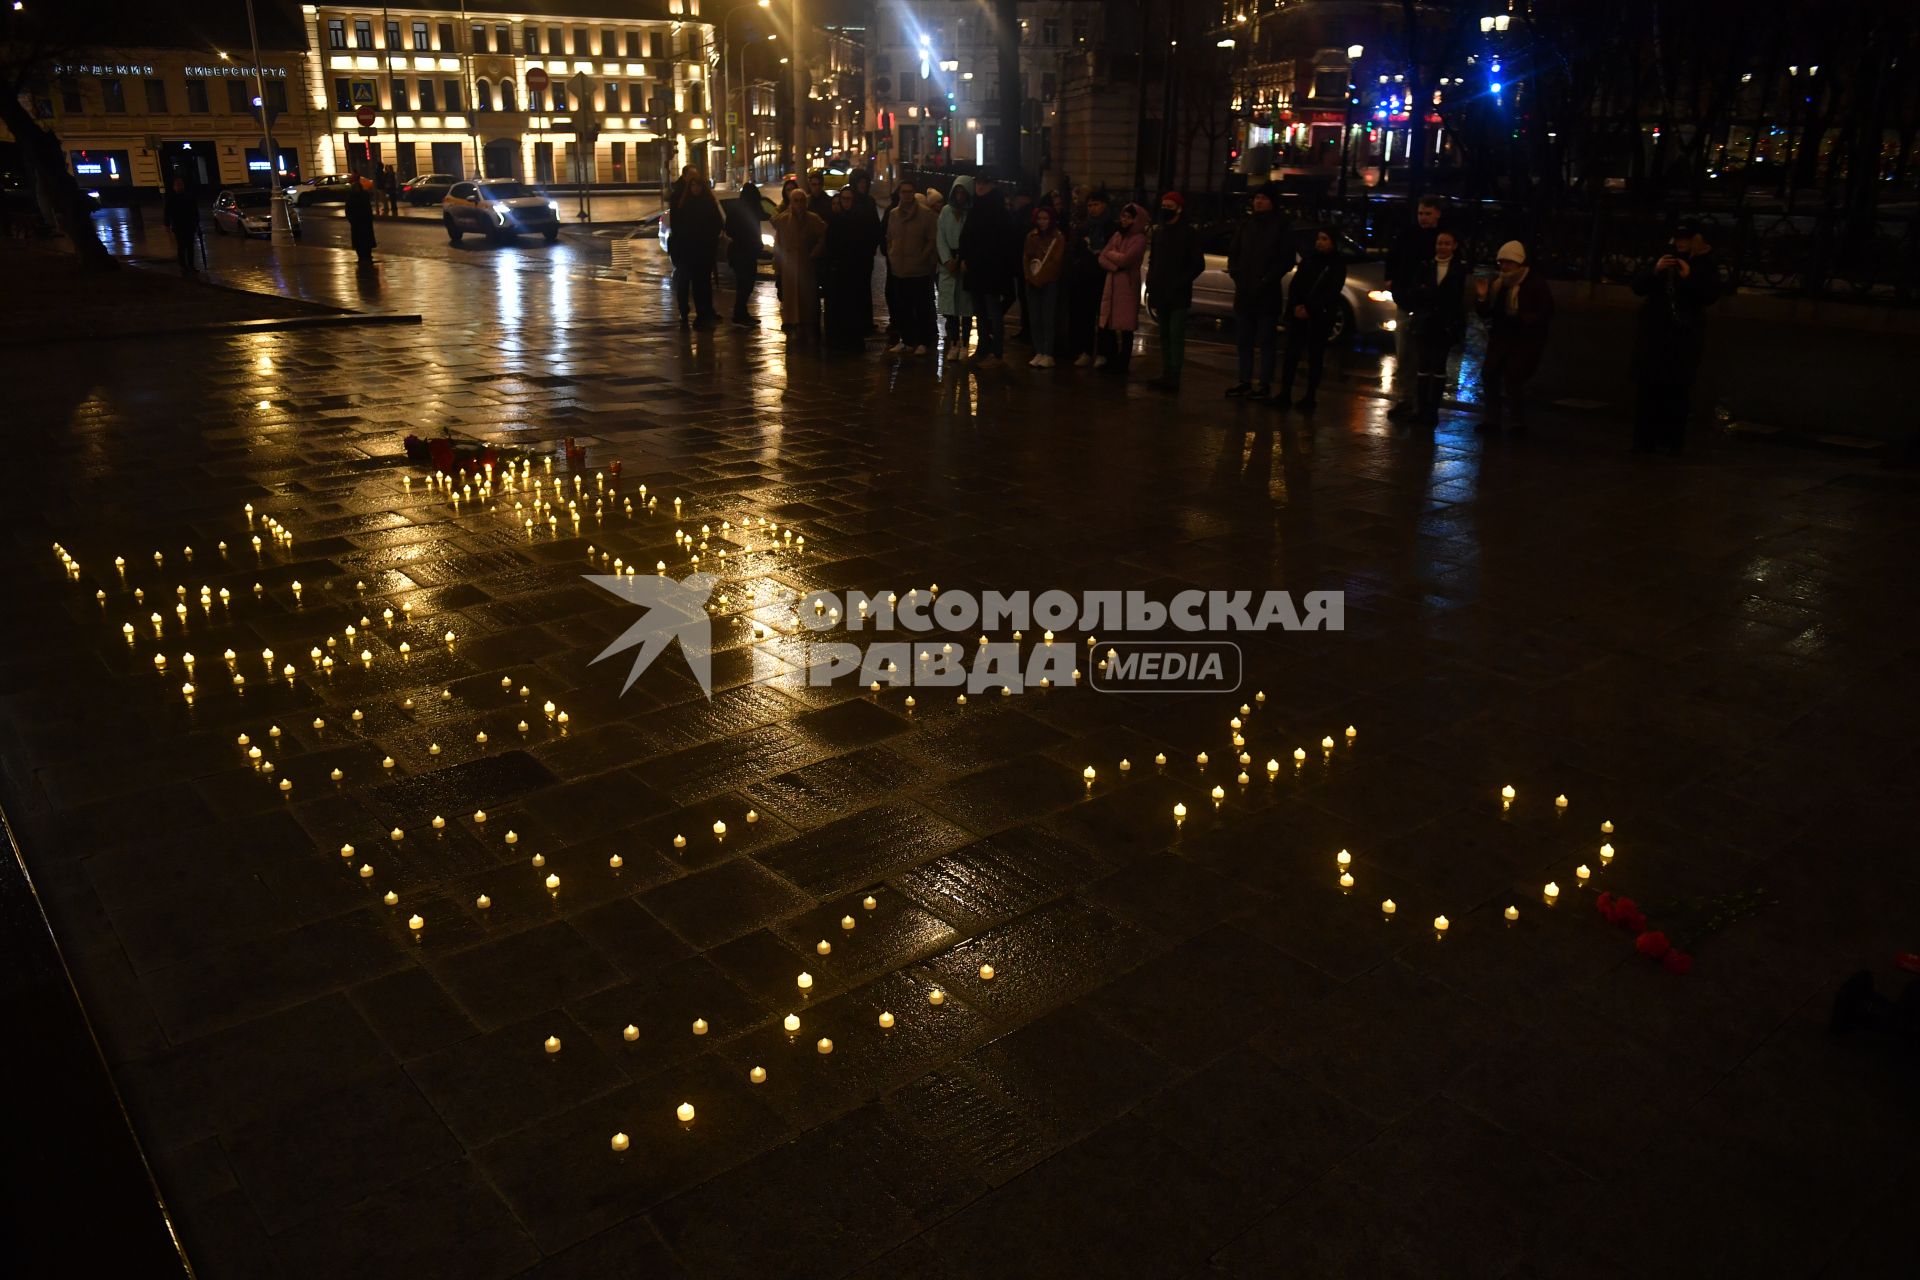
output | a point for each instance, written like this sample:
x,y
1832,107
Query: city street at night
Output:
x,y
1271,648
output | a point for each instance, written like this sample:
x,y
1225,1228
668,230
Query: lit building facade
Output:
x,y
449,89
131,119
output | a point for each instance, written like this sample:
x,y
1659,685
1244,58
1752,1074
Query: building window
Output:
x,y
342,94
656,44
336,33
556,41
420,38
532,37
363,33
1080,30
446,37
393,35
696,99
113,94
506,96
609,44
426,96
536,100
451,89
633,44
906,88
197,97
1047,85
239,96
559,96
70,96
580,46
480,39
156,97
400,102
503,39
1050,31
482,96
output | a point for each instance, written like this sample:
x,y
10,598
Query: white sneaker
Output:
x,y
1099,362
1082,361
920,350
896,348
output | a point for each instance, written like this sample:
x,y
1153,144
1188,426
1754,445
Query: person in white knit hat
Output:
x,y
1518,308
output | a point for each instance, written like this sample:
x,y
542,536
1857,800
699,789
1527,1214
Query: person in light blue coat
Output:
x,y
952,296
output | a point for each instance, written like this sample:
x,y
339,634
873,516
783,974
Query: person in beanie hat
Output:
x,y
1518,308
1670,339
1261,255
1175,261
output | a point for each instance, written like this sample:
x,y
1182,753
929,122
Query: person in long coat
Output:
x,y
1518,309
950,293
846,274
1670,340
359,211
1121,259
694,246
1313,300
1433,298
181,213
798,239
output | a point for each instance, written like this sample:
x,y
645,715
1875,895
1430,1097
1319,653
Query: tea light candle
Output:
x,y
336,775
553,883
1512,914
824,1045
986,973
1387,908
791,1022
1088,775
936,997
1582,873
483,902
1352,733
1346,880
823,947
1326,743
1299,755
513,837
886,1020
1179,812
386,762
1507,793
719,828
758,1075
619,1142
679,842
1344,858
869,902
286,784
390,898
416,923
616,862
366,871
1551,893
846,922
1606,828
1439,924
1606,854
439,823
1160,758
1219,792
685,1112
805,981
539,859
1126,766
1559,802
1273,768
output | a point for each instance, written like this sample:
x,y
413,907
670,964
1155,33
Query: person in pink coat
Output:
x,y
1120,299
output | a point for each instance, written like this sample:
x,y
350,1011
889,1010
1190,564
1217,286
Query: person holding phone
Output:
x,y
1313,300
1435,296
1670,339
1517,306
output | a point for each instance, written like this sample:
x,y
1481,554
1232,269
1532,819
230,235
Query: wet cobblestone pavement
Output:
x,y
1198,1054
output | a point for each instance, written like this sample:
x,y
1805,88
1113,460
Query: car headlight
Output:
x,y
499,210
1379,295
554,205
1390,325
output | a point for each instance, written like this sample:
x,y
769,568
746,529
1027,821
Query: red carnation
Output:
x,y
1605,903
1652,943
1634,922
1677,961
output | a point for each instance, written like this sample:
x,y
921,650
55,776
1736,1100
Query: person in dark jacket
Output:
x,y
1408,258
1175,260
744,217
1085,278
1258,260
1433,297
1518,309
181,213
868,220
359,210
694,246
1313,300
1670,339
846,275
986,263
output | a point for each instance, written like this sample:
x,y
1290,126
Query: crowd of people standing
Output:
x,y
1080,270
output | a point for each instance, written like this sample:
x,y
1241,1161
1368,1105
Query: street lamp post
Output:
x,y
728,129
1354,54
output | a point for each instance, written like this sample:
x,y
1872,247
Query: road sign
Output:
x,y
365,115
537,80
363,91
733,118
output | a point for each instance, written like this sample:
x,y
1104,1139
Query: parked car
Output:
x,y
662,222
428,188
1366,311
248,212
327,188
501,211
